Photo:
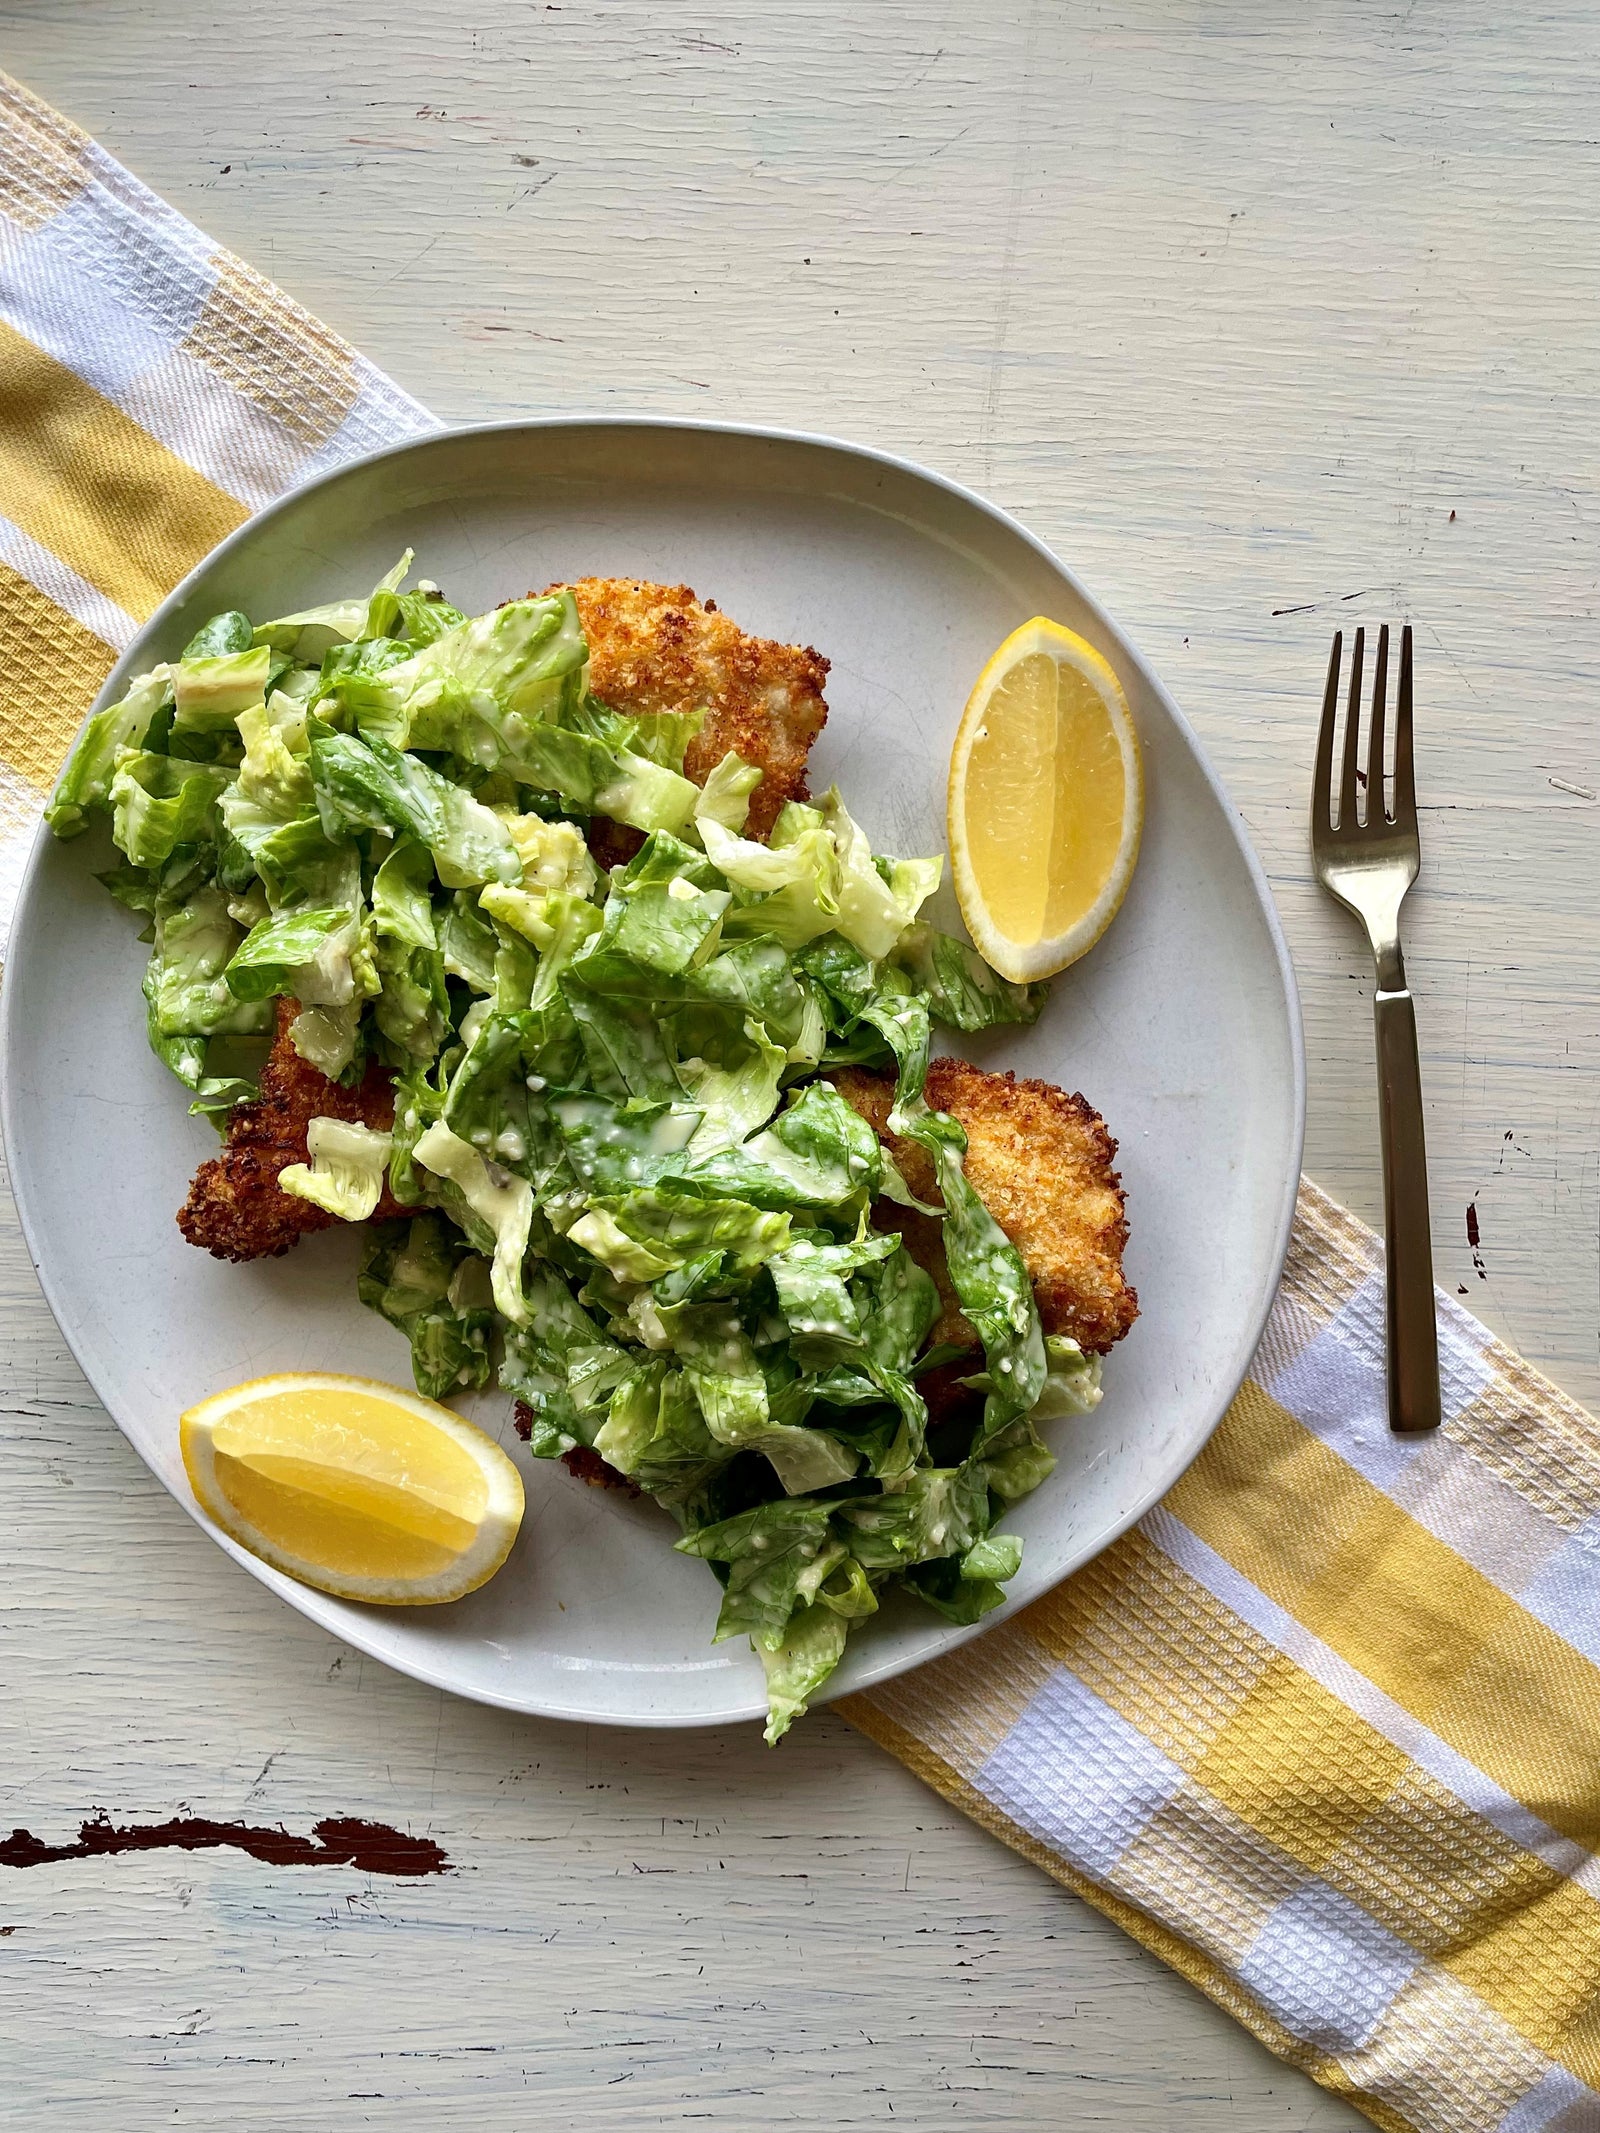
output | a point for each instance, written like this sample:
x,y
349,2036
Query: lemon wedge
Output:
x,y
1046,802
355,1487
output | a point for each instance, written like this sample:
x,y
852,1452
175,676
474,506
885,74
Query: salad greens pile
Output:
x,y
638,1197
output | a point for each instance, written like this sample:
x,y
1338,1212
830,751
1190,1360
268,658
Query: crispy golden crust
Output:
x,y
657,648
234,1209
1041,1162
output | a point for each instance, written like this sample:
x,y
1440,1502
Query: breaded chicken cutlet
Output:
x,y
1041,1162
657,648
235,1209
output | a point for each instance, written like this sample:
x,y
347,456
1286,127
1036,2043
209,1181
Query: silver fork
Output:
x,y
1369,864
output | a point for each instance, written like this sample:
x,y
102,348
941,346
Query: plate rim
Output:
x,y
303,1598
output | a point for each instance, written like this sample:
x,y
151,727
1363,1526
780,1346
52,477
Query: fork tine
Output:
x,y
1352,730
1380,692
1405,791
1322,779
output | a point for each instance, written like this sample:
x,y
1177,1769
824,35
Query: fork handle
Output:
x,y
1413,1342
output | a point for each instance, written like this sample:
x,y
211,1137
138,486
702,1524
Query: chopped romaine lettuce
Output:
x,y
187,995
613,1147
639,1235
373,785
553,855
736,1097
563,1366
495,1209
85,784
961,990
159,803
1072,1380
477,690
423,1279
273,787
818,1153
874,913
635,1192
767,1551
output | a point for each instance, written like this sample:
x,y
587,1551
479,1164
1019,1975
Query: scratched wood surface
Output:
x,y
1270,317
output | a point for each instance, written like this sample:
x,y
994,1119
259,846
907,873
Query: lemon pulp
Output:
x,y
1046,789
1046,802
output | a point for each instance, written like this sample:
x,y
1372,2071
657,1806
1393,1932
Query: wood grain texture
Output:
x,y
1269,318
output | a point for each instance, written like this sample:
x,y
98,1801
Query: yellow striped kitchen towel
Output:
x,y
1324,1729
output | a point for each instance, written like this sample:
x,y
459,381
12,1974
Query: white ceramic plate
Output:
x,y
1181,1026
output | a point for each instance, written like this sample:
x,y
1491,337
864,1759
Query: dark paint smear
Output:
x,y
372,1847
1472,1238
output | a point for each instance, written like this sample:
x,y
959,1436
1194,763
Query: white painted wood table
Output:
x,y
1270,317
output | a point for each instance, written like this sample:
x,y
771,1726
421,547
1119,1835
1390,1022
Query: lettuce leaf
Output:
x,y
622,1041
413,1004
186,992
753,978
818,1153
302,867
873,913
725,796
812,1646
309,954
938,1511
504,693
734,1097
900,1017
638,1236
767,1550
346,1173
307,635
961,990
159,803
273,786
424,615
208,693
84,786
493,1104
663,928
371,784
944,1585
224,633
1072,1381
655,1433
494,1207
421,1277
615,1146
793,889
479,689
816,875
988,1276
553,855
562,1365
